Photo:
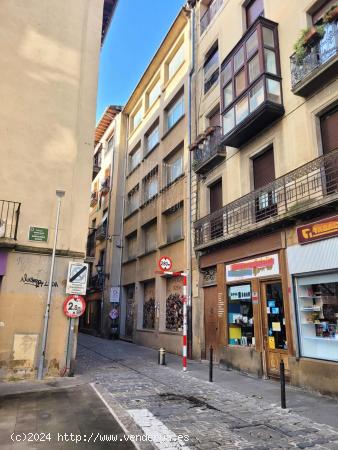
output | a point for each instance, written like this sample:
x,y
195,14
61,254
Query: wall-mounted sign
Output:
x,y
242,292
165,263
115,294
253,268
77,278
38,234
316,231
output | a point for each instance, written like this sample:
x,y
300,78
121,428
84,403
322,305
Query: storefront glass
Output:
x,y
275,315
240,316
317,305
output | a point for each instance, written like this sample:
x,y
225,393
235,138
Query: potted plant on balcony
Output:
x,y
307,39
332,14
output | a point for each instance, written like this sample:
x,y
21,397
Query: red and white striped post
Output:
x,y
185,314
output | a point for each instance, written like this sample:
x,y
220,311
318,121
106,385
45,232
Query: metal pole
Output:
x,y
282,384
70,346
185,323
59,194
211,362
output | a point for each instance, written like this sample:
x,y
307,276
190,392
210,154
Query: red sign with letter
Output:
x,y
74,306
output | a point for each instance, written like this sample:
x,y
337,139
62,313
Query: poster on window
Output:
x,y
253,268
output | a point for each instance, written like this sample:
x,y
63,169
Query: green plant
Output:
x,y
301,45
331,14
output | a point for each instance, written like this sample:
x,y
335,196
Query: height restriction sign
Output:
x,y
74,306
165,263
77,278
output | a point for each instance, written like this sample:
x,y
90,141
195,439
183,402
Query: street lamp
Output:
x,y
59,194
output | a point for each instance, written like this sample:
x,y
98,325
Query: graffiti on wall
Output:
x,y
36,281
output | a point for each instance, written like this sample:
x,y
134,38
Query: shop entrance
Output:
x,y
210,320
129,327
274,329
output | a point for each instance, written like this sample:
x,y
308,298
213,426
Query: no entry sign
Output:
x,y
74,306
165,263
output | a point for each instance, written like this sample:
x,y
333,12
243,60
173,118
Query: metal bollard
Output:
x,y
161,356
282,384
211,362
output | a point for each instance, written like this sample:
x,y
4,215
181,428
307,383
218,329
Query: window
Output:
x,y
137,117
174,167
131,244
175,112
135,158
151,185
152,138
174,224
110,145
149,305
264,173
317,304
211,68
176,62
98,158
240,316
150,237
254,9
214,118
318,14
133,200
154,93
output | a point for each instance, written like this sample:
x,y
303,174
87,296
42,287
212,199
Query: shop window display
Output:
x,y
317,304
240,316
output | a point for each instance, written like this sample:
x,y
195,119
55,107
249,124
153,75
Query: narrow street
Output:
x,y
119,390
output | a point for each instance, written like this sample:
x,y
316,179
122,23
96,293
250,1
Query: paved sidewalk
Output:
x,y
234,412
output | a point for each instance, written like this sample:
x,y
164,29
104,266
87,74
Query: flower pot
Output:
x,y
311,36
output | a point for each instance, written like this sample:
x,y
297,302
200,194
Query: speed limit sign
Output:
x,y
74,306
165,263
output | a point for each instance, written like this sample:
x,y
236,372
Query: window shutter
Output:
x,y
329,129
264,169
254,9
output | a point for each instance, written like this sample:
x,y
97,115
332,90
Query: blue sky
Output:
x,y
137,29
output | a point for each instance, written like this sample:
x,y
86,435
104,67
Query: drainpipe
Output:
x,y
189,240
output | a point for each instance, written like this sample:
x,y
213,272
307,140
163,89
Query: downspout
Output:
x,y
189,240
125,143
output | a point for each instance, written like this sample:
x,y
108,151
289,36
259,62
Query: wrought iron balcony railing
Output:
x,y
9,219
309,187
101,232
209,151
209,14
318,63
94,197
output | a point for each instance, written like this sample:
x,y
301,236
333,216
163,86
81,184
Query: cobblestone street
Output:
x,y
212,415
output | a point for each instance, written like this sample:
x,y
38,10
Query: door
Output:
x,y
130,312
264,173
216,203
274,329
329,131
211,320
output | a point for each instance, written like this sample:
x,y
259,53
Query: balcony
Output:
x,y
101,232
94,199
208,151
251,90
311,187
105,185
95,283
96,170
209,14
9,220
90,252
319,65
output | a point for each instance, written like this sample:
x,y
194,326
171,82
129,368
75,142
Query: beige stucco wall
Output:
x,y
49,55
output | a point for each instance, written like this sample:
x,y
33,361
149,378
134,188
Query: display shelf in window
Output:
x,y
317,305
240,316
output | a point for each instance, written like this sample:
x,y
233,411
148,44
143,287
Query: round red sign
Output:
x,y
165,263
74,306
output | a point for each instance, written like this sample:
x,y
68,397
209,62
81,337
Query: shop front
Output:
x,y
249,296
90,321
313,268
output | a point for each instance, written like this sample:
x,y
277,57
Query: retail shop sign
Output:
x,y
316,231
38,234
263,266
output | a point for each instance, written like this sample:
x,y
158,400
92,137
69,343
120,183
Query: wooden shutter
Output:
x,y
215,120
329,129
264,169
317,16
216,200
254,9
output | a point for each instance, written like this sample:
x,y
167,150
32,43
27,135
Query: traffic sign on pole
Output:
x,y
165,263
77,278
74,306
